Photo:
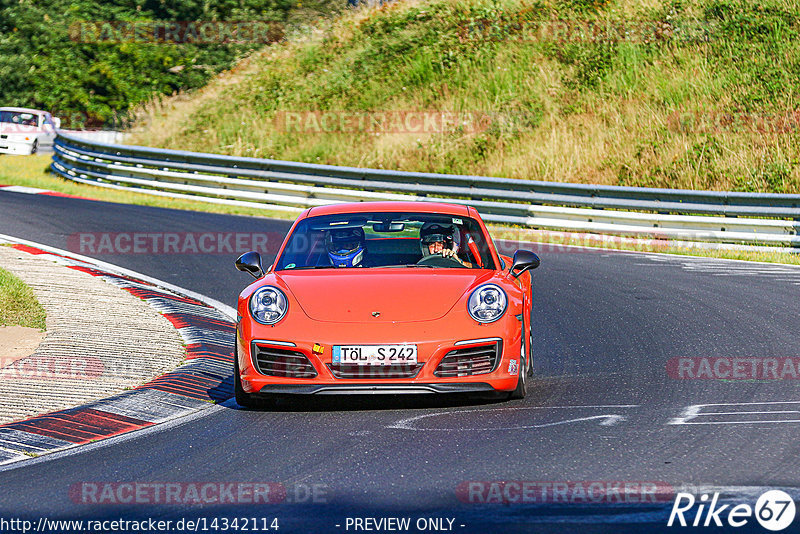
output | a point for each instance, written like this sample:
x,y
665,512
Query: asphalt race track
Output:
x,y
602,407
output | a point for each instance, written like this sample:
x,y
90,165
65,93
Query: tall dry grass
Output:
x,y
591,112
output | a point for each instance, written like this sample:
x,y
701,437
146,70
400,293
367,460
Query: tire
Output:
x,y
530,354
522,382
522,376
35,147
243,399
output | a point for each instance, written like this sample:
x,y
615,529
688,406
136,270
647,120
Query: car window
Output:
x,y
19,117
380,240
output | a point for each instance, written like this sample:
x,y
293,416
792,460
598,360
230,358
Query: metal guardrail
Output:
x,y
103,136
703,216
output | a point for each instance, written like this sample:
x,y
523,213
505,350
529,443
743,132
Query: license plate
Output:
x,y
375,354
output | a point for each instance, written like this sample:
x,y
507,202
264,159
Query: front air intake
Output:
x,y
472,360
374,371
272,361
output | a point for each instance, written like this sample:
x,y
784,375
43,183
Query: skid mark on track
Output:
x,y
716,267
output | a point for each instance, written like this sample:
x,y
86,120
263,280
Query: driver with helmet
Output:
x,y
440,239
346,246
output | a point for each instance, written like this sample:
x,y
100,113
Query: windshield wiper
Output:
x,y
399,266
308,267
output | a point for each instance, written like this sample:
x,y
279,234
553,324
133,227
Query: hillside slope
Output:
x,y
686,93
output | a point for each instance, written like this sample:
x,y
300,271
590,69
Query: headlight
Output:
x,y
268,305
487,303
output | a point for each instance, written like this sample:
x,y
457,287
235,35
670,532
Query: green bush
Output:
x,y
43,64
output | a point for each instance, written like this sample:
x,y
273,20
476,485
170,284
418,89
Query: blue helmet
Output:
x,y
345,246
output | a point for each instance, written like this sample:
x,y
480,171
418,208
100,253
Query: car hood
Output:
x,y
397,295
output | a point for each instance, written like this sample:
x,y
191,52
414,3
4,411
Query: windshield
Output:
x,y
378,240
19,117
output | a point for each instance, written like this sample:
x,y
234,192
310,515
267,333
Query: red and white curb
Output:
x,y
206,378
36,191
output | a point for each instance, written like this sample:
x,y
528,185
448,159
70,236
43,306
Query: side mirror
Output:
x,y
524,260
250,262
56,122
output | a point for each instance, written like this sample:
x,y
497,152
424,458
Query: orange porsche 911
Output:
x,y
385,297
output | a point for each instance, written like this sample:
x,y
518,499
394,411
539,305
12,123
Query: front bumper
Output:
x,y
434,341
7,146
375,389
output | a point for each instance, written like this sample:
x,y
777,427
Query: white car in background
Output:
x,y
25,131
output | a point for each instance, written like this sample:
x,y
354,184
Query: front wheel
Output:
x,y
522,376
35,147
530,355
242,398
525,365
522,381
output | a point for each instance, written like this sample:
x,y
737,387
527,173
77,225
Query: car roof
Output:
x,y
399,206
22,110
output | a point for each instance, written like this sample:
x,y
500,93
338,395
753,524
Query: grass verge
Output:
x,y
18,305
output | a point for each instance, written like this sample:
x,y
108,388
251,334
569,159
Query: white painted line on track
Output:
x,y
739,422
695,411
605,419
24,189
749,413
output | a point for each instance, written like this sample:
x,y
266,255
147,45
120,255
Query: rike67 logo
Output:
x,y
774,510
